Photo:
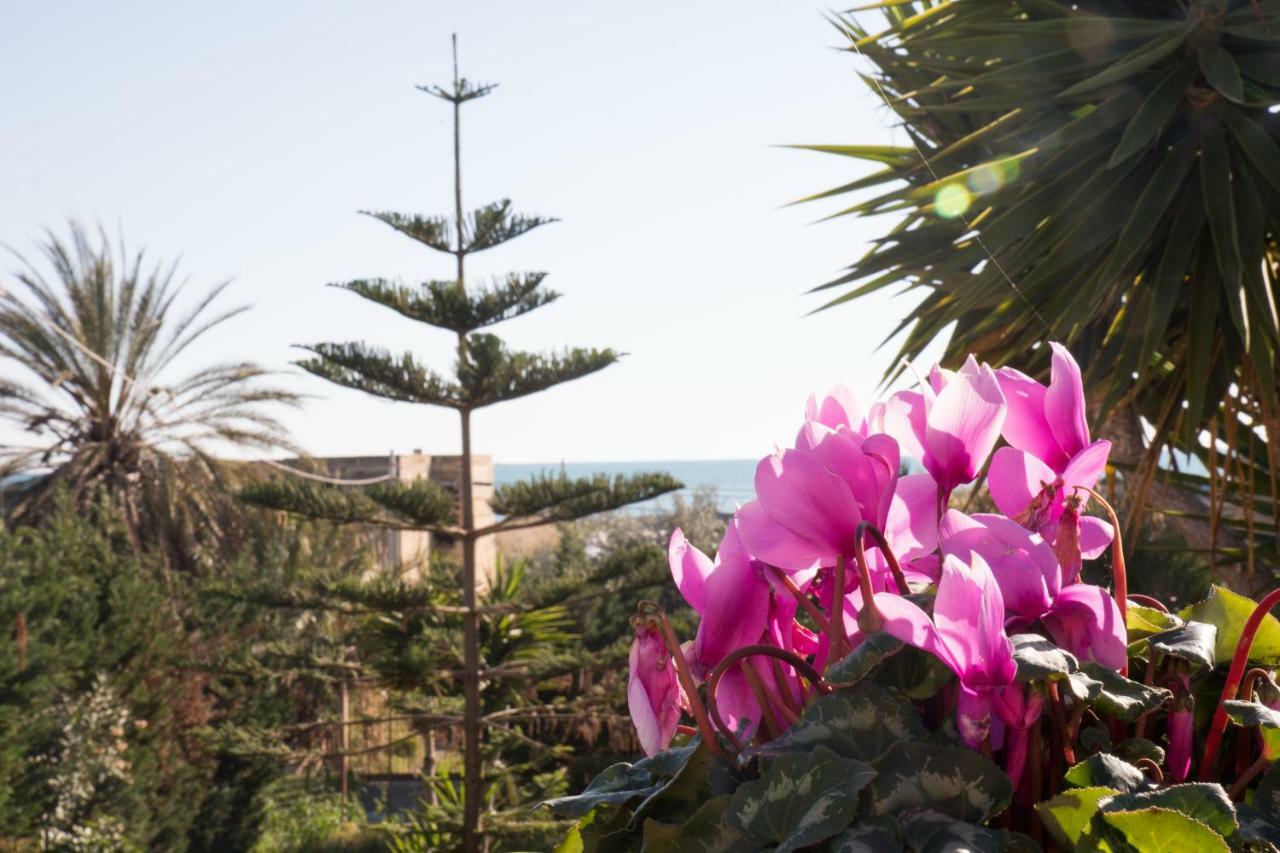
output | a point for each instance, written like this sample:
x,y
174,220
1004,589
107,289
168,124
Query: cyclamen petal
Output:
x,y
770,542
839,408
736,603
969,614
902,416
1086,466
1016,480
690,569
1095,537
1085,620
1023,564
800,493
1025,426
911,524
653,691
962,426
1064,404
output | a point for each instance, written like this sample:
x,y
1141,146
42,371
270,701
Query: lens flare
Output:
x,y
952,201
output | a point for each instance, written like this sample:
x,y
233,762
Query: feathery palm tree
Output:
x,y
89,348
1105,173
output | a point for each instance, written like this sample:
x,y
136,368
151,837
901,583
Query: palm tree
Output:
x,y
1102,173
91,343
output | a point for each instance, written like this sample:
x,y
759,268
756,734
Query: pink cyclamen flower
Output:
x,y
1082,618
731,595
1049,459
838,409
951,424
1018,707
966,633
653,690
811,498
1181,729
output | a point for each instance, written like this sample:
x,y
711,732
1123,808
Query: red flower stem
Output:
x,y
1149,767
769,718
804,600
869,529
1248,776
1064,745
1148,601
1250,681
789,707
682,729
1031,787
690,686
869,619
1120,578
713,682
835,619
1234,675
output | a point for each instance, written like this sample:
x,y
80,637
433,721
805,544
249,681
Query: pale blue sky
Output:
x,y
245,135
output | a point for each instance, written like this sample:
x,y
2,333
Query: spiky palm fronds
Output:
x,y
1106,174
90,341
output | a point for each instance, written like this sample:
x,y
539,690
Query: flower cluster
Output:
x,y
854,525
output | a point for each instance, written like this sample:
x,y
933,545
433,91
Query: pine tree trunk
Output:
x,y
472,779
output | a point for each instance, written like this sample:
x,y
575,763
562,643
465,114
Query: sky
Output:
x,y
243,137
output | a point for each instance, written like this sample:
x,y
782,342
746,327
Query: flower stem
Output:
x,y
1234,675
899,579
1120,577
869,619
1148,601
690,686
835,623
807,603
1248,776
713,681
769,717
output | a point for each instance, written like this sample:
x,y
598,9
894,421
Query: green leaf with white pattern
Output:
x,y
1204,802
704,832
1228,611
701,777
1157,830
618,784
860,662
874,835
1123,698
1266,799
953,780
858,722
1255,828
1069,815
800,799
931,832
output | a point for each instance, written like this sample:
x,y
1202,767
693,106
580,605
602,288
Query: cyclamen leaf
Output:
x,y
1038,658
930,831
1068,815
1122,698
1156,830
700,777
1142,621
704,832
1250,714
859,663
1255,827
799,800
617,784
1194,642
861,722
869,836
953,780
1229,611
1206,803
1104,769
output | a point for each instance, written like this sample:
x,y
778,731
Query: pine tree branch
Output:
x,y
433,231
418,505
545,500
463,90
490,373
495,224
377,372
447,306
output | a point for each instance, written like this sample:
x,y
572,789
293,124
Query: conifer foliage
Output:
x,y
485,372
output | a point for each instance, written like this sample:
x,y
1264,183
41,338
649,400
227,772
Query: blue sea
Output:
x,y
731,478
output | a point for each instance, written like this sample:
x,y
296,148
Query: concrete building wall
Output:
x,y
407,550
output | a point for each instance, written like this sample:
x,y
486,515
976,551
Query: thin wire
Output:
x,y
176,411
977,236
